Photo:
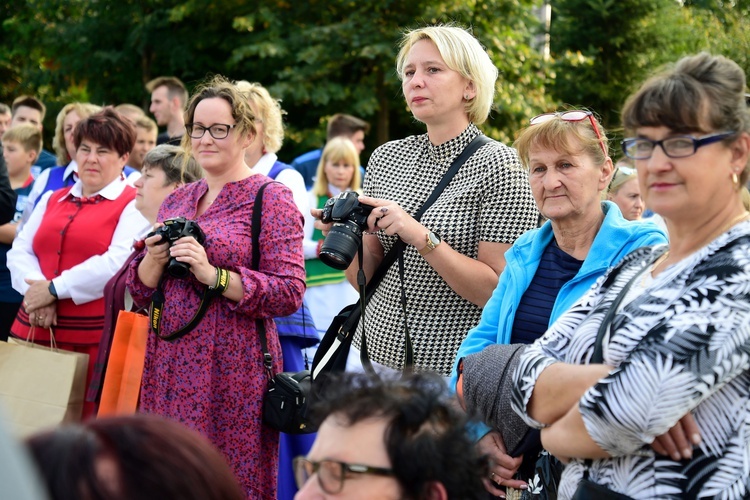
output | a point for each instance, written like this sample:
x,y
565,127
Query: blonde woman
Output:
x,y
328,291
625,192
454,254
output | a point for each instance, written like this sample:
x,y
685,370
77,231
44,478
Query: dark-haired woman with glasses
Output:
x,y
674,323
548,269
213,378
625,192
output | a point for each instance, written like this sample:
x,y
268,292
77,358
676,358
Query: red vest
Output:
x,y
71,231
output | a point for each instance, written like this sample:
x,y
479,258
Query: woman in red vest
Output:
x,y
76,239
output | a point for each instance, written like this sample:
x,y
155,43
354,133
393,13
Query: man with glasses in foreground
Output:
x,y
389,439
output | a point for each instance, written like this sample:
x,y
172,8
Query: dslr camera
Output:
x,y
173,230
349,218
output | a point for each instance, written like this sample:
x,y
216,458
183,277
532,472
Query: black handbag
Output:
x,y
285,405
333,349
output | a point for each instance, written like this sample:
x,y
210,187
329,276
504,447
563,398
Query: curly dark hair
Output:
x,y
425,437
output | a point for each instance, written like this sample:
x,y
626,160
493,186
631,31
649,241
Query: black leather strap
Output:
x,y
255,265
157,307
397,252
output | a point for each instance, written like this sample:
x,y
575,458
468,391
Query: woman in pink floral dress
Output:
x,y
213,378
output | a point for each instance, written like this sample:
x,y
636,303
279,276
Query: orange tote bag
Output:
x,y
122,380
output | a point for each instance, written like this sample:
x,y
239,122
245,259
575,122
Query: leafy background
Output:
x,y
322,57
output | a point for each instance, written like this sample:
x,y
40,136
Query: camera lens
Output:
x,y
340,246
177,269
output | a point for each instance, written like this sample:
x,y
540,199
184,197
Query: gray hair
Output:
x,y
178,166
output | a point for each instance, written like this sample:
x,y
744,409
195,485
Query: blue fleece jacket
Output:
x,y
616,238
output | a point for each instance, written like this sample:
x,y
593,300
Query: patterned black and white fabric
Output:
x,y
489,199
682,345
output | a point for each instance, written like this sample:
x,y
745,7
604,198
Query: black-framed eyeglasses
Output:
x,y
571,116
331,473
217,130
681,146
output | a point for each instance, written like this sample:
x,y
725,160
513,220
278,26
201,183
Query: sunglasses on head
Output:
x,y
571,116
621,172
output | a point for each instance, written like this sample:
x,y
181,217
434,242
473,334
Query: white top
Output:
x,y
40,184
288,177
85,281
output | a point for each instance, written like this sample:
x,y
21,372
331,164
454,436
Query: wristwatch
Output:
x,y
52,290
433,240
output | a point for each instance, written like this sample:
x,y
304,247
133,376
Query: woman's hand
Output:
x,y
45,316
157,256
156,250
38,295
393,220
678,441
192,253
317,213
502,466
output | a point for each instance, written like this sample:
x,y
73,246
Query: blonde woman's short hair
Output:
x,y
83,110
462,53
624,172
268,112
337,149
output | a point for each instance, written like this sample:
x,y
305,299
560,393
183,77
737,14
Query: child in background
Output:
x,y
21,147
327,289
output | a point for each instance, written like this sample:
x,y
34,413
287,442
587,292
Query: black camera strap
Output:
x,y
157,308
397,252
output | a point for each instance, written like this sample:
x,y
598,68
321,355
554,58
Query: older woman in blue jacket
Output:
x,y
549,268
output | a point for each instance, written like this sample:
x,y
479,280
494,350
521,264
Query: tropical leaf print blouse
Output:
x,y
680,345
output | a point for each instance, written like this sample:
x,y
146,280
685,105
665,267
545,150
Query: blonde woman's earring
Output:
x,y
735,179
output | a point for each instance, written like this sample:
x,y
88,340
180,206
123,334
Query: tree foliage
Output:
x,y
603,49
322,57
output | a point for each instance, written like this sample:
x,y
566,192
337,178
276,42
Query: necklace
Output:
x,y
724,229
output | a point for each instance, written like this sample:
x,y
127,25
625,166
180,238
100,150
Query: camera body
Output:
x,y
349,218
172,230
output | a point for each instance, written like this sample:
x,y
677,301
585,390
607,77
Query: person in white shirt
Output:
x,y
75,240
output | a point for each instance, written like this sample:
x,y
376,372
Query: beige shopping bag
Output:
x,y
40,386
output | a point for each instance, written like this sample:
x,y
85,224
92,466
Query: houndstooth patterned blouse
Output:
x,y
489,199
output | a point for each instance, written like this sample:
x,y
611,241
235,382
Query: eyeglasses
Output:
x,y
332,474
640,148
217,130
571,116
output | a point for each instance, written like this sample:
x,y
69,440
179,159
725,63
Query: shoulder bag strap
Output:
x,y
255,265
397,252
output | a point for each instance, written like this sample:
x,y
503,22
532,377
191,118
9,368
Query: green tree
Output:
x,y
602,48
338,56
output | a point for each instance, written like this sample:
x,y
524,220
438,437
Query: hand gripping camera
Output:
x,y
349,218
173,230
